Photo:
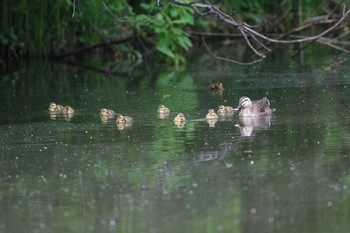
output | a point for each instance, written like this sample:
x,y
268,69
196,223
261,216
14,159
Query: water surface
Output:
x,y
289,173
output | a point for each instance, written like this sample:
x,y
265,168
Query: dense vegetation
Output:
x,y
133,29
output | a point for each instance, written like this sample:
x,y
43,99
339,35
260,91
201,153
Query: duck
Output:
x,y
163,110
123,119
56,108
211,115
249,108
225,110
216,87
180,118
68,110
108,113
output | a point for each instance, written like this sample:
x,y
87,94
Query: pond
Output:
x,y
286,174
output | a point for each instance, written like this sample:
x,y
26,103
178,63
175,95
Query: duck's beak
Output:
x,y
239,106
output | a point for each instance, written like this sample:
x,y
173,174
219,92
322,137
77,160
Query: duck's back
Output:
x,y
262,107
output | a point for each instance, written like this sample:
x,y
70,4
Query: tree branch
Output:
x,y
203,8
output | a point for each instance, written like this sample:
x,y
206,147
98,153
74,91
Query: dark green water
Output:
x,y
290,174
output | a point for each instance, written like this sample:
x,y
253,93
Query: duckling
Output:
x,y
163,110
216,87
180,118
55,107
211,115
123,119
108,113
225,110
68,110
253,108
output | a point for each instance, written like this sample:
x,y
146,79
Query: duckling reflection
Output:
x,y
105,119
53,115
212,122
180,124
68,116
122,126
251,124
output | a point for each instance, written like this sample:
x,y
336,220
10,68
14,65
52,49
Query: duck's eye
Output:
x,y
243,102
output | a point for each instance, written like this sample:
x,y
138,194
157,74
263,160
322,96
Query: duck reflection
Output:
x,y
251,124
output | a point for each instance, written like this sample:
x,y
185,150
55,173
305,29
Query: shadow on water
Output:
x,y
287,173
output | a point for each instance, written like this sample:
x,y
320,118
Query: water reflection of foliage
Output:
x,y
198,177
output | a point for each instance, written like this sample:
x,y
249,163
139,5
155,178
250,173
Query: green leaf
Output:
x,y
145,6
141,17
177,31
184,42
163,47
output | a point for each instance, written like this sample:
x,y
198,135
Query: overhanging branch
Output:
x,y
204,8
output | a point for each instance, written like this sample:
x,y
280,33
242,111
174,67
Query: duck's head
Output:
x,y
52,106
244,102
104,112
180,117
220,86
211,111
120,118
68,110
163,110
221,108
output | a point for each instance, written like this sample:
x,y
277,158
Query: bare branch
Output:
x,y
204,7
304,39
230,60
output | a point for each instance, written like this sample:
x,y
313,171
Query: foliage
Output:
x,y
35,28
167,27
